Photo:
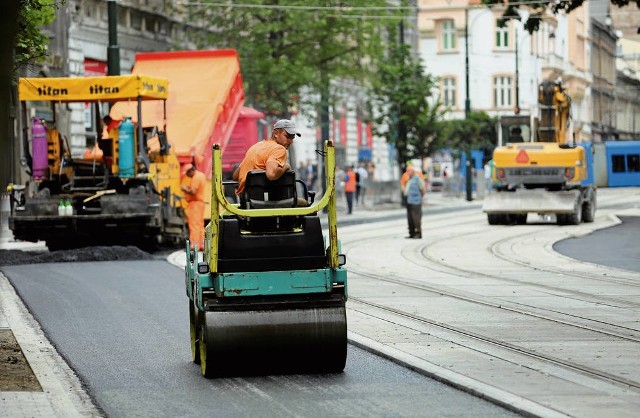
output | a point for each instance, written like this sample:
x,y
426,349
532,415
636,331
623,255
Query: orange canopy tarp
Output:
x,y
205,97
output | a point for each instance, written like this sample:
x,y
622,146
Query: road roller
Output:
x,y
267,292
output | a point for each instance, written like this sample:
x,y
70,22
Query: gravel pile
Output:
x,y
110,253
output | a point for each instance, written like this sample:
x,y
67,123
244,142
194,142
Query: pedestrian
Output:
x,y
193,188
269,155
349,188
405,177
312,175
361,179
414,191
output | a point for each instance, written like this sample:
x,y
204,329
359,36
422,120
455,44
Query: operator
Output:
x,y
269,155
194,194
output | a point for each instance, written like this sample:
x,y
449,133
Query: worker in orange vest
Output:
x,y
194,194
350,188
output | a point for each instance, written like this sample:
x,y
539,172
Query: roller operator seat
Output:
x,y
262,193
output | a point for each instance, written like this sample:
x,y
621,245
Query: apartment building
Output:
x,y
497,69
79,43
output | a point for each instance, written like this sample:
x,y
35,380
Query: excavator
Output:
x,y
548,175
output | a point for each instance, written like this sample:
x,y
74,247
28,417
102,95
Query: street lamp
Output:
x,y
113,50
467,103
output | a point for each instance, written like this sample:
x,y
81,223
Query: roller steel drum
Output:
x,y
304,340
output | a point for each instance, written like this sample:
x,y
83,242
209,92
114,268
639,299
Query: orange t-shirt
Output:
x,y
257,157
350,184
197,184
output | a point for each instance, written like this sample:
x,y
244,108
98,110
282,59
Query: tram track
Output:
x,y
419,255
426,272
599,374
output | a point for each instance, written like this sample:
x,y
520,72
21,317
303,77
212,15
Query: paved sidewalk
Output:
x,y
62,394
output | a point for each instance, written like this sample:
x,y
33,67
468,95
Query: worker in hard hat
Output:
x,y
194,194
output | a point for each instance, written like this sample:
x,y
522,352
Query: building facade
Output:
x,y
79,43
504,65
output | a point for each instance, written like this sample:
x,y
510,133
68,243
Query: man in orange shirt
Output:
x,y
194,194
269,155
350,188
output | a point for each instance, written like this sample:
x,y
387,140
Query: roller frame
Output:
x,y
267,322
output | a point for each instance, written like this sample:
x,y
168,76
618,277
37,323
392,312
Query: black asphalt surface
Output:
x,y
123,328
618,246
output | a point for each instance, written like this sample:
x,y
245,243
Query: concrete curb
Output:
x,y
62,392
466,384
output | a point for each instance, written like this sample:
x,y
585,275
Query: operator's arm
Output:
x,y
274,170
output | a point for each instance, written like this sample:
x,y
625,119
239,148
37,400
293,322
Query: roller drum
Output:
x,y
274,341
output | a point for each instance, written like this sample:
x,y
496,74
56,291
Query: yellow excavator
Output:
x,y
549,174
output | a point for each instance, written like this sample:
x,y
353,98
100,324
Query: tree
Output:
x,y
477,131
538,8
23,43
31,42
407,114
287,46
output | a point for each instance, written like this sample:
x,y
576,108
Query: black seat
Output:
x,y
302,249
262,193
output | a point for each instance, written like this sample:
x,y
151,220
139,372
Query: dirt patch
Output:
x,y
15,372
99,253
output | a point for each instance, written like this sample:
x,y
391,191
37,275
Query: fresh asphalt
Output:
x,y
160,338
123,327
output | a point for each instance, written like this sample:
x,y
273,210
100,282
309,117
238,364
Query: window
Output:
x,y
617,164
448,35
449,92
633,163
502,92
136,20
502,35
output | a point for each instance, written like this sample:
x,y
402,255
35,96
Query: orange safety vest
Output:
x,y
350,184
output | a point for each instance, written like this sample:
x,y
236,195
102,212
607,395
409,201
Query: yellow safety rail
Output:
x,y
218,199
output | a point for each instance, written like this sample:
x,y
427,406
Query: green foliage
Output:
x,y
407,114
31,43
477,131
537,9
288,45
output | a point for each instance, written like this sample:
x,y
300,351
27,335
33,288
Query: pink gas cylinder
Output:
x,y
39,150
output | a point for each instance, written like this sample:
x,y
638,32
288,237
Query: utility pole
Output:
x,y
467,104
113,50
324,130
467,101
517,108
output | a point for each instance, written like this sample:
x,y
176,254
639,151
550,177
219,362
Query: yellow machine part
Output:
x,y
54,150
541,154
92,89
165,172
